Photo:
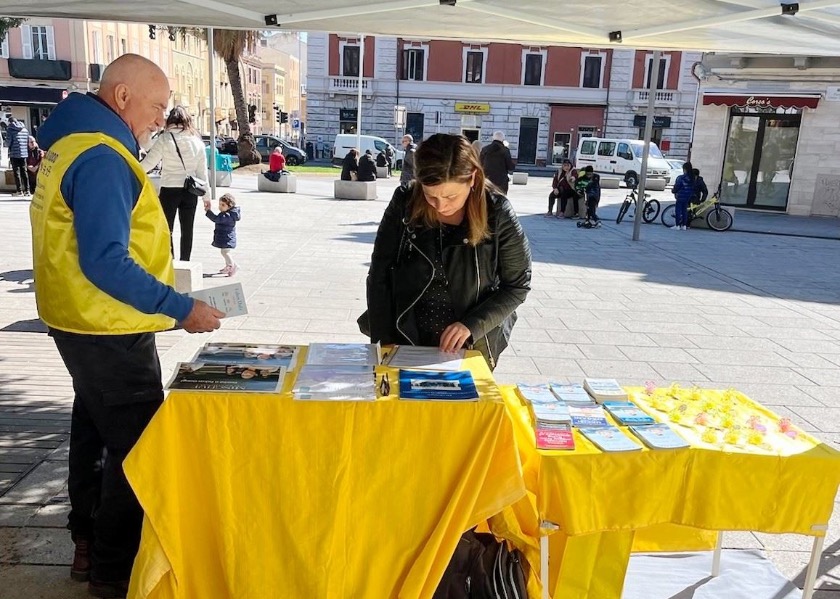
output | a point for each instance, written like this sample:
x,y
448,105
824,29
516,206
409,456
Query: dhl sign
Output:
x,y
472,107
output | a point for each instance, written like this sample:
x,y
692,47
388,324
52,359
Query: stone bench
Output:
x,y
354,190
286,184
655,185
382,172
520,179
189,276
610,182
570,207
223,178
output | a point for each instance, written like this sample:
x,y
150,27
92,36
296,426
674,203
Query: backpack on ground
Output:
x,y
483,568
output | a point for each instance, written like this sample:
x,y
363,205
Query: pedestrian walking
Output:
x,y
18,136
497,162
224,235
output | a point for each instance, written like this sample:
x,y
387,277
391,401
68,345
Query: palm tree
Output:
x,y
230,45
7,23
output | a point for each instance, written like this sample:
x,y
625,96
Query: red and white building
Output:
x,y
544,98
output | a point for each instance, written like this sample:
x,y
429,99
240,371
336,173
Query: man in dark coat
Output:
x,y
18,153
497,162
367,167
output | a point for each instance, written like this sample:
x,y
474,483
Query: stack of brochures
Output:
x,y
424,358
574,393
437,385
338,372
603,390
224,367
627,413
552,420
659,436
609,439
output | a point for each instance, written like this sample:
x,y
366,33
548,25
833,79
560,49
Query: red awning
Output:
x,y
760,101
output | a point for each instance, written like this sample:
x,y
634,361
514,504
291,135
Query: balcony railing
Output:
x,y
350,85
663,97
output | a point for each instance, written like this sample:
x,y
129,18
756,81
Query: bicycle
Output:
x,y
650,212
716,217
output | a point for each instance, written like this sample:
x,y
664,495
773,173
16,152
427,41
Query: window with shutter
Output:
x,y
50,34
26,41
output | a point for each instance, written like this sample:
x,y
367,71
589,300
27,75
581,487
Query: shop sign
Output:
x,y
472,107
832,93
347,114
659,122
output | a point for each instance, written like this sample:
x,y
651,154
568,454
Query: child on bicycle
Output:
x,y
592,191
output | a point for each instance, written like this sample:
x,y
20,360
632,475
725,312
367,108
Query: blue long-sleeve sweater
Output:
x,y
102,190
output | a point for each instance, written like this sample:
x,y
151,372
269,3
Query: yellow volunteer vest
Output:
x,y
66,299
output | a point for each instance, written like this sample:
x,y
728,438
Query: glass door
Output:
x,y
759,159
560,148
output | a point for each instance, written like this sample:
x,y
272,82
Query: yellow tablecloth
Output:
x,y
601,501
262,496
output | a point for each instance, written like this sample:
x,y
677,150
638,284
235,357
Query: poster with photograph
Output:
x,y
198,376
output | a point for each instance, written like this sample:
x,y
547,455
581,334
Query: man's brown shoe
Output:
x,y
108,590
80,570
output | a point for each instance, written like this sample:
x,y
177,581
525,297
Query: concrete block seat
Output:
x,y
354,190
609,182
188,276
382,172
286,184
655,185
520,179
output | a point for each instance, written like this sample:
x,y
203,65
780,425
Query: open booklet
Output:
x,y
249,353
197,376
424,358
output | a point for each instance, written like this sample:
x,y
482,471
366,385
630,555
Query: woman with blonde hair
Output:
x,y
450,262
180,151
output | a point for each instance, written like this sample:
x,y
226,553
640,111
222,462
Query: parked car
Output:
x,y
267,143
676,169
345,141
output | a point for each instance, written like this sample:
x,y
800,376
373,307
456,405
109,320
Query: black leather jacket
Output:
x,y
487,282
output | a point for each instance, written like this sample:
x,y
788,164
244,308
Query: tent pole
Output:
x,y
359,99
652,87
212,80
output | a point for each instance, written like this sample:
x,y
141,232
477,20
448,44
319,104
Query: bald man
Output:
x,y
104,279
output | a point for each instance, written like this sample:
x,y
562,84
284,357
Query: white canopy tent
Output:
x,y
808,27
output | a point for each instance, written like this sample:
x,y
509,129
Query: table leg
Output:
x,y
544,567
716,555
813,566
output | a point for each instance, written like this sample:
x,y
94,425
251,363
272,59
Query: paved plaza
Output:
x,y
757,309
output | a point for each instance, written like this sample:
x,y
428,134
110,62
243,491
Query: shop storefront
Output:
x,y
752,143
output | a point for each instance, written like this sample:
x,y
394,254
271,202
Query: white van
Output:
x,y
344,142
621,157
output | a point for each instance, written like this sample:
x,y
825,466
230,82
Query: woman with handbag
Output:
x,y
180,151
450,262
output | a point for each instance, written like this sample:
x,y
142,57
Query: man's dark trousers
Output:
x,y
116,379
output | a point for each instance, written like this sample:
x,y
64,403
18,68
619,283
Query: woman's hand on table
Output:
x,y
454,337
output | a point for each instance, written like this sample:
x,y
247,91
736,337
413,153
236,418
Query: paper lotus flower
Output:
x,y
709,436
702,419
650,387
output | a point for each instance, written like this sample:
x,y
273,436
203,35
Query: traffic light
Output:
x,y
152,32
284,117
277,116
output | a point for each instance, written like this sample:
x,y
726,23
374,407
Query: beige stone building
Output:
x,y
274,100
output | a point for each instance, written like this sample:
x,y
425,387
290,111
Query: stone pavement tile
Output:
x,y
515,365
60,453
722,330
615,310
619,338
825,419
547,350
343,327
739,358
561,299
827,396
832,358
822,376
554,370
686,375
35,546
679,328
753,374
564,336
300,312
299,338
17,515
51,516
671,340
601,352
39,486
716,342
656,355
798,322
808,360
525,335
39,582
799,340
618,369
594,325
247,336
277,323
539,322
740,540
794,564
